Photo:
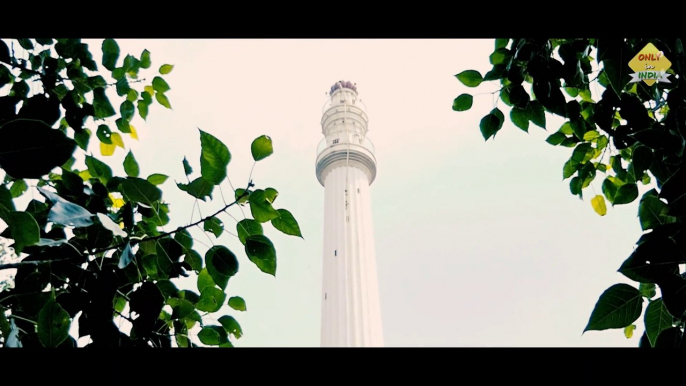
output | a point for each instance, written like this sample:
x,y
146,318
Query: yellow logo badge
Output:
x,y
650,65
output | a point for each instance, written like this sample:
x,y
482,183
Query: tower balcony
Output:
x,y
331,153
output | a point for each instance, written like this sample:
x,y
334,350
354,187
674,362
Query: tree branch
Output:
x,y
165,234
132,242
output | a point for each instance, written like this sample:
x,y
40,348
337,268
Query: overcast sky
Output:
x,y
478,243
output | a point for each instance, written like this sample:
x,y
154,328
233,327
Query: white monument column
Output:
x,y
346,167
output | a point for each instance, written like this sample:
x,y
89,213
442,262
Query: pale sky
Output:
x,y
478,244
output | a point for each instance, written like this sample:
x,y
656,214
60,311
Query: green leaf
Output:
x,y
110,54
490,124
204,280
556,138
163,100
145,59
260,208
127,109
270,195
123,88
610,189
248,227
647,290
497,72
211,299
132,95
31,149
566,129
237,303
260,251
98,169
576,186
187,167
669,338
126,256
582,153
166,69
214,225
231,326
101,104
23,229
160,85
123,125
110,225
198,188
463,102
131,166
96,82
157,179
286,223
221,265
536,113
586,96
261,148
657,319
143,109
642,159
140,190
470,78
214,158
104,134
53,324
193,258
69,214
213,335
572,91
652,212
590,135
241,195
181,308
18,188
501,43
520,118
500,56
619,306
598,204
626,194
654,257
25,44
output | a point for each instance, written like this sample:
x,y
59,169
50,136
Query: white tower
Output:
x,y
346,167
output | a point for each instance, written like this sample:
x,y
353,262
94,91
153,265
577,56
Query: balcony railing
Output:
x,y
366,143
359,104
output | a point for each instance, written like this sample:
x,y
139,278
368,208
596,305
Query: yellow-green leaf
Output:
x,y
117,140
598,203
107,149
149,90
133,133
85,175
166,69
629,331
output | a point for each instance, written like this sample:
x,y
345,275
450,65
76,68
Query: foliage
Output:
x,y
90,245
632,133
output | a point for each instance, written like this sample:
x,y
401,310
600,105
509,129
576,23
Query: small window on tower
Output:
x,y
358,190
335,141
335,252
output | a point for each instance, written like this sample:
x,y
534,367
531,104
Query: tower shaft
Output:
x,y
346,167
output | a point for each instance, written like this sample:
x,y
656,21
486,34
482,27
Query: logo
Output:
x,y
650,65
